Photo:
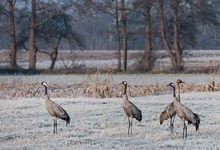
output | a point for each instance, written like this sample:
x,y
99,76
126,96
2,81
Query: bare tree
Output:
x,y
178,51
180,23
32,48
163,36
142,8
53,26
117,36
12,54
124,33
147,43
106,7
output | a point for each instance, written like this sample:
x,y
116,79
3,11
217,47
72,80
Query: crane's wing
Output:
x,y
169,107
188,113
138,114
131,110
167,113
61,113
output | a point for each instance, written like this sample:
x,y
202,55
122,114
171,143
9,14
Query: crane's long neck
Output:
x,y
174,91
125,97
178,91
45,93
125,89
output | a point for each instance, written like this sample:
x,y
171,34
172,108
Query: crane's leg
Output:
x,y
131,124
183,132
54,125
128,124
184,129
173,118
171,125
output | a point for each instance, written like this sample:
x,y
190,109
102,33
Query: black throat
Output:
x,y
174,91
45,90
125,88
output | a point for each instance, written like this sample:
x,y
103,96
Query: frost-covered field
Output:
x,y
102,124
107,59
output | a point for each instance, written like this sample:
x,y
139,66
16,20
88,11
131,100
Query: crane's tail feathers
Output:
x,y
196,116
139,116
196,121
66,118
67,121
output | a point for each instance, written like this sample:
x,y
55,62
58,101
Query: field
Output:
x,y
100,123
207,61
94,103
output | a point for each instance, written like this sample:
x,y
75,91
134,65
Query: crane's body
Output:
x,y
55,110
185,113
169,112
130,109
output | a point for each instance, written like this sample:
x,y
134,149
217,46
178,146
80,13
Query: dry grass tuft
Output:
x,y
97,86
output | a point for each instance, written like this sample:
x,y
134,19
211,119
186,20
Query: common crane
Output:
x,y
185,113
169,111
130,109
55,110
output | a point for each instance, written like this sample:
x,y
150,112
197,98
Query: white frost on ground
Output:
x,y
102,124
137,79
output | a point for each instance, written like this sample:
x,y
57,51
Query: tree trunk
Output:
x,y
32,49
117,36
124,32
147,45
54,54
175,35
12,54
163,36
53,57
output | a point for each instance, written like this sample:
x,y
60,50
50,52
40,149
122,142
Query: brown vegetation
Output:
x,y
94,87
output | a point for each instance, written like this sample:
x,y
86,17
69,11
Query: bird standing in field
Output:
x,y
130,109
185,113
169,111
55,110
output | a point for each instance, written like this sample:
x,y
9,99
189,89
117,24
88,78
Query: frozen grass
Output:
x,y
102,124
137,79
98,123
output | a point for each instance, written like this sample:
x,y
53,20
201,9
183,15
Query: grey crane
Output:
x,y
169,111
185,113
55,110
130,109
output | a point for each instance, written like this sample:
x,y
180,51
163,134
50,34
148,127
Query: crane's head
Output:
x,y
178,81
44,83
124,82
171,84
45,86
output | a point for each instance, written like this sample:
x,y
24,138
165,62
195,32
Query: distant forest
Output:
x,y
50,25
94,21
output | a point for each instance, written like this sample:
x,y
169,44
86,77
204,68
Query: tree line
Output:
x,y
47,26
